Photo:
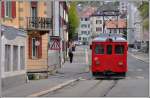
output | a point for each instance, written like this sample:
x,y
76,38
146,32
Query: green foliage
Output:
x,y
144,9
73,19
144,12
146,23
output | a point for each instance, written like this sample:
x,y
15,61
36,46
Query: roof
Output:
x,y
87,12
114,37
11,33
121,23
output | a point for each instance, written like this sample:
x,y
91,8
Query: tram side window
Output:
x,y
99,49
119,49
109,49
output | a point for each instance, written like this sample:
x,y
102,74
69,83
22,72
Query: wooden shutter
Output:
x,y
30,47
2,9
33,3
13,9
40,47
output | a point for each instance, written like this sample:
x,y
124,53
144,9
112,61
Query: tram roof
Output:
x,y
114,37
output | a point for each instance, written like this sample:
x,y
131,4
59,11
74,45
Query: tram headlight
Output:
x,y
120,63
95,58
97,62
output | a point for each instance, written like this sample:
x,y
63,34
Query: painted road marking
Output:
x,y
139,77
139,69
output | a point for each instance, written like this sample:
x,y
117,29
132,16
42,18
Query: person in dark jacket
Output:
x,y
70,53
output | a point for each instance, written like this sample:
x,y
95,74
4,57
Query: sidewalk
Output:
x,y
36,87
32,87
140,55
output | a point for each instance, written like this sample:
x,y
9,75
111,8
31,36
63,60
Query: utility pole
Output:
x,y
0,54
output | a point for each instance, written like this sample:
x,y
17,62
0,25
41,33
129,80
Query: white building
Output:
x,y
13,57
123,6
96,25
138,26
60,23
84,30
130,24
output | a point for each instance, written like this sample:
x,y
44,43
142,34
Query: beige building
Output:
x,y
33,17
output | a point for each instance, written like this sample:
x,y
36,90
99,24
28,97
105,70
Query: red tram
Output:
x,y
109,55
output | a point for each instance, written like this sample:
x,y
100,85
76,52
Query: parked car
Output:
x,y
77,43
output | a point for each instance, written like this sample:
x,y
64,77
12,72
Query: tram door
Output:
x,y
109,59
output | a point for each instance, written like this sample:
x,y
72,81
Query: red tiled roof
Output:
x,y
87,12
121,23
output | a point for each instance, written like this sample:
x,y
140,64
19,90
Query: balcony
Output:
x,y
39,23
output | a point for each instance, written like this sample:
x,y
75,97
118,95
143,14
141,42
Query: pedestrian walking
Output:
x,y
70,53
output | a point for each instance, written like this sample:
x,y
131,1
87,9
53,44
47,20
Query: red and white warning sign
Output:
x,y
54,43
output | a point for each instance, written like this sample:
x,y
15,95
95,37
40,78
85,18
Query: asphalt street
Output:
x,y
134,85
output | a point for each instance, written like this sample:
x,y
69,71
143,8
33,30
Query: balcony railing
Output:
x,y
39,23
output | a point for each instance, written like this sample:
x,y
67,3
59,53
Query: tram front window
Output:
x,y
109,49
119,49
99,49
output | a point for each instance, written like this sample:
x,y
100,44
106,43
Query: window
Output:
x,y
22,57
81,19
8,10
88,25
109,49
15,58
86,19
83,32
98,29
99,49
34,11
34,8
98,21
119,49
83,26
7,58
84,39
34,48
79,38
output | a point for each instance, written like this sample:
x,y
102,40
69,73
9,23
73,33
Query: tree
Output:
x,y
73,19
144,12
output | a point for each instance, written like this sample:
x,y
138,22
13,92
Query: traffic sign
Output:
x,y
54,43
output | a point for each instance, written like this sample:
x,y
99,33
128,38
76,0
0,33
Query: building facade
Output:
x,y
123,5
34,18
84,30
96,25
61,27
13,57
117,26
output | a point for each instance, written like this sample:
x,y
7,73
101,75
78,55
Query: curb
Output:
x,y
138,58
37,94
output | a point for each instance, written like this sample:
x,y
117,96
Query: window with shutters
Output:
x,y
8,9
35,47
